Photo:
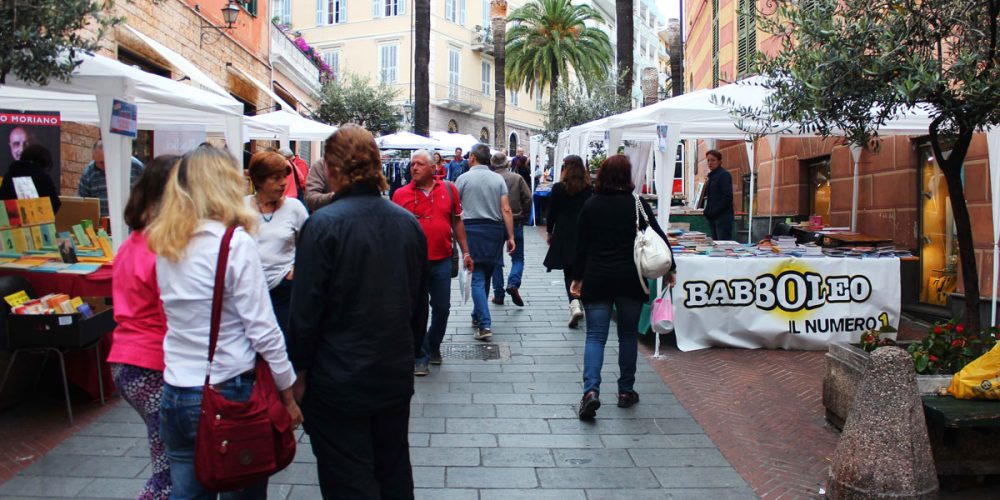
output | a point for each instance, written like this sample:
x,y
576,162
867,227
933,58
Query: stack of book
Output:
x,y
53,303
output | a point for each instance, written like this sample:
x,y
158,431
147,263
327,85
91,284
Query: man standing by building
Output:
x,y
718,198
94,180
436,206
457,166
487,215
519,197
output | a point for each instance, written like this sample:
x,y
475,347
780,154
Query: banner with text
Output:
x,y
785,303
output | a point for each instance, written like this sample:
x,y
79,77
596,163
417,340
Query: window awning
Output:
x,y
301,101
180,63
263,88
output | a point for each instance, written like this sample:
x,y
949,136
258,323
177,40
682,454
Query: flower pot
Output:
x,y
845,366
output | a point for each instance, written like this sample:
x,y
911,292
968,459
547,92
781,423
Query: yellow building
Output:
x,y
374,39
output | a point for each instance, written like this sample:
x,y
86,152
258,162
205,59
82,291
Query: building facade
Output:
x,y
374,40
901,191
247,61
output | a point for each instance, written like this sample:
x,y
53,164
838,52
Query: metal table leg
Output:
x,y
62,367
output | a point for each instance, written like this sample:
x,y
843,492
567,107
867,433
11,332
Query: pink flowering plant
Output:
x,y
326,73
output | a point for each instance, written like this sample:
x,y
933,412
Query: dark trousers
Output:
x,y
722,228
360,457
281,302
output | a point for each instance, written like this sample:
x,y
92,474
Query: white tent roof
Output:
x,y
405,140
449,141
299,128
88,97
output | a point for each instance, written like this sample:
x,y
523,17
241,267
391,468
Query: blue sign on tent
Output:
x,y
123,119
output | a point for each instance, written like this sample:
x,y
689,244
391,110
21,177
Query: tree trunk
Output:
x,y
626,42
553,85
498,18
952,169
421,57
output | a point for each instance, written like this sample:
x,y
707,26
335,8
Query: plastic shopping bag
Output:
x,y
662,316
979,379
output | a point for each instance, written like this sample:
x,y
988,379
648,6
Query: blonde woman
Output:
x,y
203,197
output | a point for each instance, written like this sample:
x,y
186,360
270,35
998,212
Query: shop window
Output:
x,y
938,241
818,176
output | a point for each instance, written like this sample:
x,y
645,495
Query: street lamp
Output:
x,y
230,14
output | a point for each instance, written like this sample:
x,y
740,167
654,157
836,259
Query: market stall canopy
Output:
x,y
448,141
180,63
299,128
405,140
96,83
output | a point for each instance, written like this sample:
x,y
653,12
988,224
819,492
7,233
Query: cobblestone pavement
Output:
x,y
496,429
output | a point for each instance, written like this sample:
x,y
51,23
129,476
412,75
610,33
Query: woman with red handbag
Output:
x,y
201,277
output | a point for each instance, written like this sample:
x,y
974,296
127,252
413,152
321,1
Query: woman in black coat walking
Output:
x,y
605,278
565,202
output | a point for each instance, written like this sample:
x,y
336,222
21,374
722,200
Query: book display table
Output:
x,y
783,301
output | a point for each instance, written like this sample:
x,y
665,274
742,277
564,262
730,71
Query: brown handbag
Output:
x,y
239,444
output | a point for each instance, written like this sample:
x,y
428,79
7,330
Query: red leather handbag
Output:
x,y
239,444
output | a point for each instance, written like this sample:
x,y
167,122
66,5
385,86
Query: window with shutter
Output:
x,y
513,98
746,37
450,10
486,14
453,74
715,43
487,77
332,59
461,12
387,63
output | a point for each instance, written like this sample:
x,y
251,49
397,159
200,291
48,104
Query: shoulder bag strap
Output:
x,y
220,286
451,204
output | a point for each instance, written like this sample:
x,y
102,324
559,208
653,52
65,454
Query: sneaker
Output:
x,y
627,399
475,322
483,334
420,369
515,296
436,357
575,313
497,299
589,405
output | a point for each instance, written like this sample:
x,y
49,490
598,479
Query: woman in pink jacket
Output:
x,y
137,350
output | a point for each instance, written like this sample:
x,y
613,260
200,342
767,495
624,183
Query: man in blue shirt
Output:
x,y
94,181
457,166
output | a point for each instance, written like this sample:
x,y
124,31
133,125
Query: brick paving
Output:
x,y
499,429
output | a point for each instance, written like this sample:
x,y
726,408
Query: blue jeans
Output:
x,y
598,324
480,293
179,411
439,287
516,265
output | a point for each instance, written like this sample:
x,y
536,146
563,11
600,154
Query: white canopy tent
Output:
x,y
448,141
405,140
291,126
993,146
88,97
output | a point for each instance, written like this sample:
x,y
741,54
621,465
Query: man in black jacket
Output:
x,y
358,318
718,198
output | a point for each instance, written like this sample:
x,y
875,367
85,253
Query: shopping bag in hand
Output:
x,y
662,316
980,379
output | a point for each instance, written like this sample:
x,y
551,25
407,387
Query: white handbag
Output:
x,y
651,253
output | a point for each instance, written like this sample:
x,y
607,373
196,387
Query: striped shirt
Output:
x,y
94,183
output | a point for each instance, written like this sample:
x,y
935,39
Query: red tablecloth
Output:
x,y
80,365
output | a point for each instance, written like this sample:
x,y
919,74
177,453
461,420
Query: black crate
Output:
x,y
63,331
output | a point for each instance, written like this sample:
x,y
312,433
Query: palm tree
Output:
x,y
421,56
550,36
625,35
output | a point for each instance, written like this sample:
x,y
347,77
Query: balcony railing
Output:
x,y
291,62
458,98
482,40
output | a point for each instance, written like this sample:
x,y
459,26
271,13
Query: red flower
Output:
x,y
947,326
958,343
932,357
937,329
959,328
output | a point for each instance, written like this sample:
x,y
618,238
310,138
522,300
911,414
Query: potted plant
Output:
x,y
946,349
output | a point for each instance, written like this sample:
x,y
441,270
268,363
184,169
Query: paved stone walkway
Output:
x,y
498,429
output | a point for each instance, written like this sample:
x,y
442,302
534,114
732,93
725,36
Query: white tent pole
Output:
x,y
993,144
234,138
750,157
285,141
118,166
772,141
855,156
615,140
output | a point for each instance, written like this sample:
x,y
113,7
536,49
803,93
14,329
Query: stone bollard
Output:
x,y
884,451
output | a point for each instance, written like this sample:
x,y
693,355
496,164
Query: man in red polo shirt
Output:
x,y
438,209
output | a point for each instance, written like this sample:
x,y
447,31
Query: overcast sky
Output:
x,y
669,8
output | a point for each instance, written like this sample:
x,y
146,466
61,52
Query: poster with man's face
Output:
x,y
21,129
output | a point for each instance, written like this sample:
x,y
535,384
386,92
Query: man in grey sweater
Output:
x,y
519,197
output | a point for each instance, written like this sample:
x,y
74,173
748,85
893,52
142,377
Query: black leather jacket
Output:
x,y
359,302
